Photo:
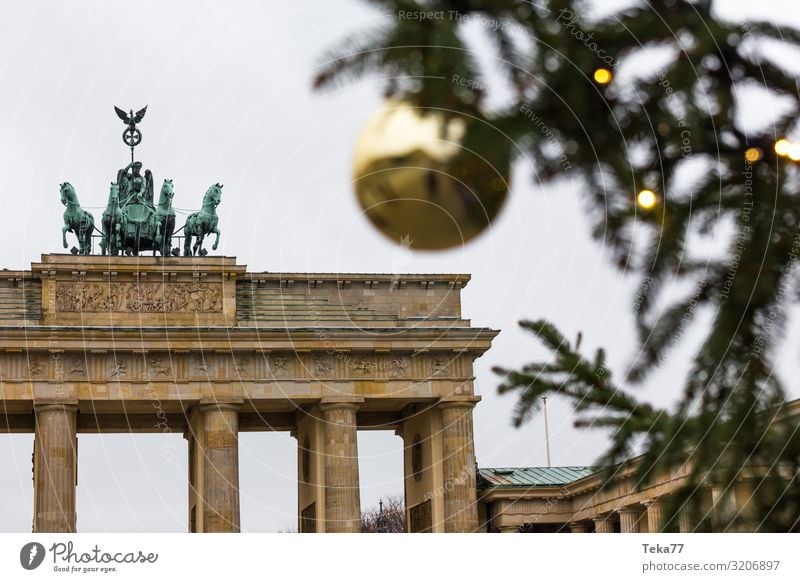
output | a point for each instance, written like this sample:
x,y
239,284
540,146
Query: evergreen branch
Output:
x,y
355,57
587,383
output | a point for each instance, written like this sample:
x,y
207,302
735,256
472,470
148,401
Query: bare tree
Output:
x,y
388,517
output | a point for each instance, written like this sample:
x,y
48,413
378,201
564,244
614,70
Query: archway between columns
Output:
x,y
16,483
131,482
268,481
380,467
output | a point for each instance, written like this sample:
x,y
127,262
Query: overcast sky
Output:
x,y
227,86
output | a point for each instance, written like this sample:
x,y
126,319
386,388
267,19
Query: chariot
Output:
x,y
131,222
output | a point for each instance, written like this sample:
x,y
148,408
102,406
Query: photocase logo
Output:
x,y
31,555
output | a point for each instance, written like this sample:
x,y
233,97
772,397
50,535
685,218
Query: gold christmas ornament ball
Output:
x,y
424,180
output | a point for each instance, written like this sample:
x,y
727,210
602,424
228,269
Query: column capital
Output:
x,y
603,523
349,404
458,402
58,405
655,514
221,406
629,518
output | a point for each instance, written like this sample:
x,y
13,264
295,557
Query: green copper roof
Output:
x,y
531,476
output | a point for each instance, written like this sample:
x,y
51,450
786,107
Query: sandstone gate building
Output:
x,y
200,346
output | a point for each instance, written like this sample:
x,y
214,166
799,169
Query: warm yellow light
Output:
x,y
646,199
752,154
794,152
782,147
602,76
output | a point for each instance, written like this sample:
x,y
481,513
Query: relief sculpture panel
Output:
x,y
139,297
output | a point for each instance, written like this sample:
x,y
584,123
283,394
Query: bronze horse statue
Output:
x,y
165,219
114,224
202,223
76,220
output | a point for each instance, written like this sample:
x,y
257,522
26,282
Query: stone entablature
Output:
x,y
103,365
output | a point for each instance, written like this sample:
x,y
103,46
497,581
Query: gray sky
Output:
x,y
228,90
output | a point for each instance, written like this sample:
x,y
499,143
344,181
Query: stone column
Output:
x,y
55,470
422,460
342,496
221,468
685,524
747,520
722,510
655,515
603,523
629,519
310,471
580,528
458,454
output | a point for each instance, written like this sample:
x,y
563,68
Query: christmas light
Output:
x,y
752,154
603,76
782,146
794,152
646,199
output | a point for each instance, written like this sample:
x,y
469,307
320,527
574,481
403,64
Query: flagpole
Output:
x,y
546,432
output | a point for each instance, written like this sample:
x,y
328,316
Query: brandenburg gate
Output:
x,y
200,346
195,344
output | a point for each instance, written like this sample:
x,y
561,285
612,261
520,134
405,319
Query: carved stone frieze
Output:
x,y
242,365
396,366
133,366
36,368
158,366
322,365
362,366
139,297
280,366
77,366
201,364
118,369
439,366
